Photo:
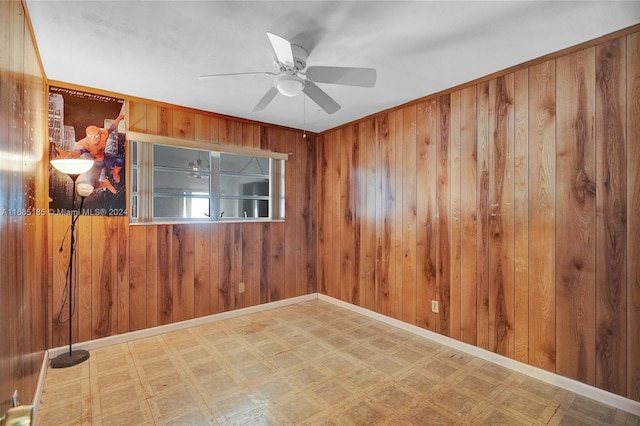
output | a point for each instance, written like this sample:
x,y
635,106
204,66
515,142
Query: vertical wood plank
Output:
x,y
371,196
482,245
576,207
521,214
183,124
201,253
611,228
182,279
380,197
137,116
323,230
455,222
265,258
238,271
122,271
276,262
443,273
84,266
501,217
152,120
633,221
104,276
249,256
226,133
226,267
202,128
384,137
164,261
301,212
396,224
409,214
334,220
137,278
292,274
542,212
426,240
165,121
347,279
468,215
214,129
214,270
152,276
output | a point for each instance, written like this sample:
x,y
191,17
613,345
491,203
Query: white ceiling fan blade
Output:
x,y
235,73
318,96
282,49
362,77
266,99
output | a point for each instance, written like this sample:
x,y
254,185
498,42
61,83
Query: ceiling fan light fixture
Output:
x,y
290,85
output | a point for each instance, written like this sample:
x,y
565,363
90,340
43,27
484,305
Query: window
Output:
x,y
172,183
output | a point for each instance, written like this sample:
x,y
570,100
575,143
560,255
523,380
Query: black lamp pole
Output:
x,y
78,356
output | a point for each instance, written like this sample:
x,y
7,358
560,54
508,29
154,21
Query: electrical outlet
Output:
x,y
434,306
241,288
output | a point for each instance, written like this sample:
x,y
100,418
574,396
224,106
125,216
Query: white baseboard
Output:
x,y
167,328
39,386
579,388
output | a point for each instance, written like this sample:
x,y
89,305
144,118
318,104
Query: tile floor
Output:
x,y
311,363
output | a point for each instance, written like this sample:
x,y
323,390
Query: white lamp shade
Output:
x,y
290,85
72,166
84,189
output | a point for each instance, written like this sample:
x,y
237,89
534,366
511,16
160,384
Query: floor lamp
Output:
x,y
73,167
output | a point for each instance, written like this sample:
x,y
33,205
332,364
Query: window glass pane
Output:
x,y
180,182
134,206
180,207
232,208
244,164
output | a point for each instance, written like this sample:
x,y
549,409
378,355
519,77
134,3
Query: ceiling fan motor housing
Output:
x,y
300,56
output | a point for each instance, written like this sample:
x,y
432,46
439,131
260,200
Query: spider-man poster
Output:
x,y
88,125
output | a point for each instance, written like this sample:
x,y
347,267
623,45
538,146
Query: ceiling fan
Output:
x,y
293,77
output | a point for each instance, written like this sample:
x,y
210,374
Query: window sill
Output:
x,y
210,222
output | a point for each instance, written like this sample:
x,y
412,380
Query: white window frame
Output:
x,y
145,169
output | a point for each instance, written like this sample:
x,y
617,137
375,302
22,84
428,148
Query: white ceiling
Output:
x,y
157,49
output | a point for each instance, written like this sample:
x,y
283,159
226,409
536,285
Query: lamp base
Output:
x,y
68,359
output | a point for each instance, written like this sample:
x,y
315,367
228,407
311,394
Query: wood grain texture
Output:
x,y
521,214
426,210
633,219
576,207
397,243
183,124
443,216
409,215
468,215
24,317
482,217
501,217
455,223
370,195
534,172
384,256
542,215
611,223
138,278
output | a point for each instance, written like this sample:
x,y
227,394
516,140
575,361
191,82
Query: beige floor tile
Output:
x,y
312,363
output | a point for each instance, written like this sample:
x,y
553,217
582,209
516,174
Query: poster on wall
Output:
x,y
88,125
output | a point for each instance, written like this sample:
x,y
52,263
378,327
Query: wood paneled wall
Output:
x,y
23,249
133,277
513,202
